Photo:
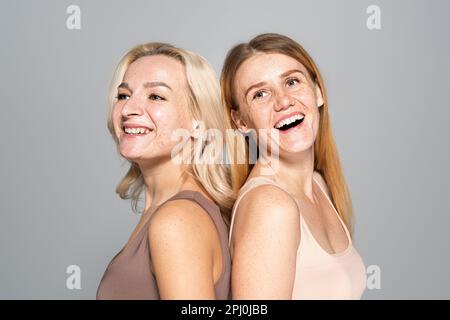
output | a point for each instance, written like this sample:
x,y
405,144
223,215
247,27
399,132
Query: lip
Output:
x,y
288,116
293,129
130,125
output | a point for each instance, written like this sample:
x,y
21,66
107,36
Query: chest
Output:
x,y
323,223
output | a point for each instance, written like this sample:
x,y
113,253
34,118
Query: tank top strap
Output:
x,y
210,207
261,180
197,197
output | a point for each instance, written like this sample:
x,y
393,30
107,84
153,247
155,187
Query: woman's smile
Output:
x,y
290,123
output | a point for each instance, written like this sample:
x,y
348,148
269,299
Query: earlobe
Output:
x,y
319,96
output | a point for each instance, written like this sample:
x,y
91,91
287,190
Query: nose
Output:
x,y
283,101
132,107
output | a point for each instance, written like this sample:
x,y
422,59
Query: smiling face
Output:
x,y
275,92
152,102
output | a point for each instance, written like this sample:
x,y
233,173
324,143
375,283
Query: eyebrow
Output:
x,y
146,85
156,84
292,71
285,74
259,84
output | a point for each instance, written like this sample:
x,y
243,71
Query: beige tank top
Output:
x,y
319,274
129,275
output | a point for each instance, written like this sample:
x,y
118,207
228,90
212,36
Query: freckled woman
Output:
x,y
179,249
290,235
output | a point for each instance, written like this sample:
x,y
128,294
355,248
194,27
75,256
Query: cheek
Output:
x,y
167,121
306,96
116,117
260,118
316,121
158,116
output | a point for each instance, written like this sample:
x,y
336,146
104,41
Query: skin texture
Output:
x,y
262,106
158,107
181,242
184,243
265,240
266,232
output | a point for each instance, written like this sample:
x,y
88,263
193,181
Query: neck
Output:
x,y
162,179
294,173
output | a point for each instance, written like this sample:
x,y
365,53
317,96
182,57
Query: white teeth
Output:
x,y
289,120
136,130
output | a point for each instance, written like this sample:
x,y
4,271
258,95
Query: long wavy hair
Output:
x,y
205,105
326,157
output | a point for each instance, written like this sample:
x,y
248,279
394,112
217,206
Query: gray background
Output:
x,y
59,167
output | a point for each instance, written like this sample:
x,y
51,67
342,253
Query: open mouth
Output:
x,y
136,131
289,123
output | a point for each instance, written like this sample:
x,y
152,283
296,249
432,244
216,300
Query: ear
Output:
x,y
319,96
195,132
236,116
195,124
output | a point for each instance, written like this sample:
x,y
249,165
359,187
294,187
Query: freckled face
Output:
x,y
151,104
276,93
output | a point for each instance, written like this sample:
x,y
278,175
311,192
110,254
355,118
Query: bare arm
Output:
x,y
265,239
180,236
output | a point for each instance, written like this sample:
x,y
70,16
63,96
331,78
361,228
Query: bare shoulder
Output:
x,y
270,197
264,244
180,222
181,239
266,207
321,181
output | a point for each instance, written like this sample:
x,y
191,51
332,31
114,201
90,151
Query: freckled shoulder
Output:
x,y
181,221
267,205
269,195
182,237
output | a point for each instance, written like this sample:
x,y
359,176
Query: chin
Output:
x,y
296,148
130,152
131,156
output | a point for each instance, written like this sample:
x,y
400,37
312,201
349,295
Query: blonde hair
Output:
x,y
326,157
204,104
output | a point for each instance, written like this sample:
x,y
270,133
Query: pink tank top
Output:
x,y
319,274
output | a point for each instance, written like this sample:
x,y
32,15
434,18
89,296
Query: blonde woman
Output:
x,y
290,235
179,248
